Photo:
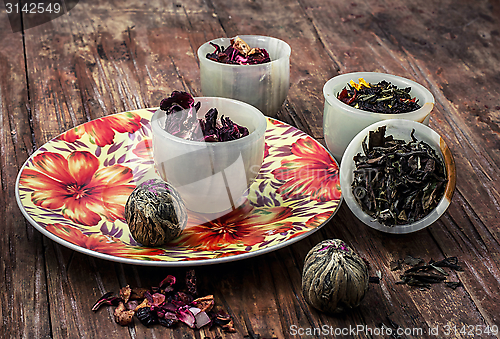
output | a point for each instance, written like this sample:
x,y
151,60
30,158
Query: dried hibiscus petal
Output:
x,y
167,283
238,53
158,299
186,316
107,299
181,121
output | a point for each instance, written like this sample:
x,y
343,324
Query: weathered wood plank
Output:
x,y
23,302
394,42
108,57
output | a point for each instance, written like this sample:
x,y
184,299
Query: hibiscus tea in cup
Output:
x,y
209,149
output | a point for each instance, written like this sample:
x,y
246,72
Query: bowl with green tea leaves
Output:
x,y
397,176
353,101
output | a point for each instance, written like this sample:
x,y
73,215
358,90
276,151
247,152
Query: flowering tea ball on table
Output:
x,y
334,278
155,213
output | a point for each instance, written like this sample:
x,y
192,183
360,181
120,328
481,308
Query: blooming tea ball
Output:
x,y
334,278
155,213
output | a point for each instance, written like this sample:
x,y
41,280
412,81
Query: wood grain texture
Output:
x,y
108,57
23,302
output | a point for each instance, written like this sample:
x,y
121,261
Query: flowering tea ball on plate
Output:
x,y
155,213
334,278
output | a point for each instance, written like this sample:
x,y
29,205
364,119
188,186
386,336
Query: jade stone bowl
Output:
x,y
211,177
264,86
399,129
342,122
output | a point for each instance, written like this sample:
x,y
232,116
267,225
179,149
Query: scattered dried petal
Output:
x,y
107,299
167,283
185,315
125,293
158,299
145,303
204,303
160,305
122,315
202,319
191,282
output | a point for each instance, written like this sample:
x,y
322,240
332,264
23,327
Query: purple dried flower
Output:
x,y
107,299
238,53
181,121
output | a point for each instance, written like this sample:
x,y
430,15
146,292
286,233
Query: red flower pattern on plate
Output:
x,y
313,173
102,131
85,192
247,226
100,243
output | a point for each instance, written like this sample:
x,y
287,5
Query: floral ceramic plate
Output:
x,y
74,189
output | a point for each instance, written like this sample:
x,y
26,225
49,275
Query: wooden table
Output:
x,y
105,57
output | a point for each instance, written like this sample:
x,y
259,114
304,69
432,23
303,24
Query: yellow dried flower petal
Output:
x,y
361,83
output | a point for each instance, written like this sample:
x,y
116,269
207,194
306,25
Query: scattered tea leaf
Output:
x,y
423,275
453,284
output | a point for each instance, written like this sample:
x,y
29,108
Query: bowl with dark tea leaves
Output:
x,y
209,149
397,176
250,68
353,101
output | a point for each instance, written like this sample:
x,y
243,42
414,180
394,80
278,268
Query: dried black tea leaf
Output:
x,y
382,97
453,284
395,265
397,182
423,275
409,260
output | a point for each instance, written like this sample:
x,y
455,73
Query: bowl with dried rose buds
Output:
x,y
210,149
250,68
